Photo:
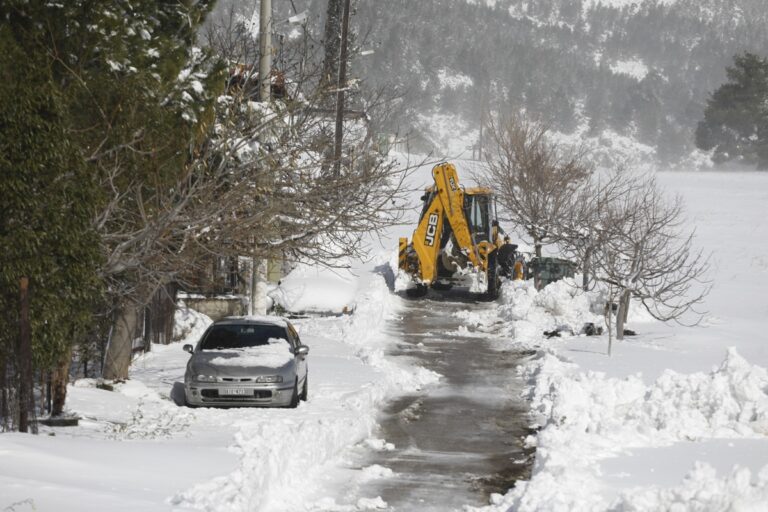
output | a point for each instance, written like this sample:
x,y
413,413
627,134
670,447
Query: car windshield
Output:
x,y
231,336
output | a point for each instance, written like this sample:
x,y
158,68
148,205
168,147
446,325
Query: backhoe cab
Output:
x,y
457,239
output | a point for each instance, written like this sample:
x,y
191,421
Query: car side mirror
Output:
x,y
302,350
188,348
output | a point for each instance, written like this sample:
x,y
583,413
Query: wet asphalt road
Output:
x,y
462,439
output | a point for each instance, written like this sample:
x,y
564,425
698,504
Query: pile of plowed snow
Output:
x,y
559,306
586,418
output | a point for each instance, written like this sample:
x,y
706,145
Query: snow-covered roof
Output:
x,y
255,319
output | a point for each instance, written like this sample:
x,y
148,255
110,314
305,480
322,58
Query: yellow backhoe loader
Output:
x,y
457,240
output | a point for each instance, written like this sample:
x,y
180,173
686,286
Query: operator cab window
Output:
x,y
478,218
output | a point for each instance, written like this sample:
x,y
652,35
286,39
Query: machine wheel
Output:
x,y
305,390
437,285
494,281
295,397
417,291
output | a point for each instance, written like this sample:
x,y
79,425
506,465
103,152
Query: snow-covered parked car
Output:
x,y
247,361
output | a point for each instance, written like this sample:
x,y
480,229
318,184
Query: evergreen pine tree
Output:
x,y
735,124
47,196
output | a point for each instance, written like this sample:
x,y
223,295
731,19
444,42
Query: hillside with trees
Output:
x,y
642,70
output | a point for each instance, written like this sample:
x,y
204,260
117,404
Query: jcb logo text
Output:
x,y
429,239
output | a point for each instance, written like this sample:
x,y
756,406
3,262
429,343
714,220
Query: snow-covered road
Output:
x,y
459,440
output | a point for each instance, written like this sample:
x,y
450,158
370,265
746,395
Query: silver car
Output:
x,y
247,361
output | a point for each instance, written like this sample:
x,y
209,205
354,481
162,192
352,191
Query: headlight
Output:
x,y
205,378
269,378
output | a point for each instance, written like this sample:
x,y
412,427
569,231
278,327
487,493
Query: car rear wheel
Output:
x,y
305,390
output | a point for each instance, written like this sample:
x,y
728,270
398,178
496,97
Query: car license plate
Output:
x,y
235,391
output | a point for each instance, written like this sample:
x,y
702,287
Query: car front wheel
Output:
x,y
295,397
305,390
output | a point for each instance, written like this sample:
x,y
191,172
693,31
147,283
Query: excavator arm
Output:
x,y
444,203
426,238
452,197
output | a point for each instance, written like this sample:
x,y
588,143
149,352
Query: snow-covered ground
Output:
x,y
674,416
136,449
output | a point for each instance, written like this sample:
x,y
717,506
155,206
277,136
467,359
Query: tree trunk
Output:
x,y
5,410
59,382
24,358
627,300
341,85
585,269
537,268
608,315
332,42
160,315
621,314
120,347
258,303
265,50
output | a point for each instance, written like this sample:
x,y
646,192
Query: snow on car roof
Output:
x,y
255,319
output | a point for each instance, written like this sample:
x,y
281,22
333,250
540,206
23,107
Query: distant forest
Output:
x,y
558,59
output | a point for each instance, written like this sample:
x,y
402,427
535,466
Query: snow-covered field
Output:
x,y
674,417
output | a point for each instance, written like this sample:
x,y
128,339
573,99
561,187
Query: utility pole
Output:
x,y
265,50
258,302
340,86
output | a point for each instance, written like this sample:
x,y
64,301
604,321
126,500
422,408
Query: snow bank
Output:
x,y
283,456
559,306
703,491
316,289
363,330
586,417
276,459
189,324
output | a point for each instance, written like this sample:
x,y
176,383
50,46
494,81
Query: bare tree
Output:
x,y
647,254
254,186
582,232
534,178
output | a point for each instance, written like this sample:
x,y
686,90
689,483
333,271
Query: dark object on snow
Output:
x,y
590,329
105,386
629,332
557,333
550,269
60,421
